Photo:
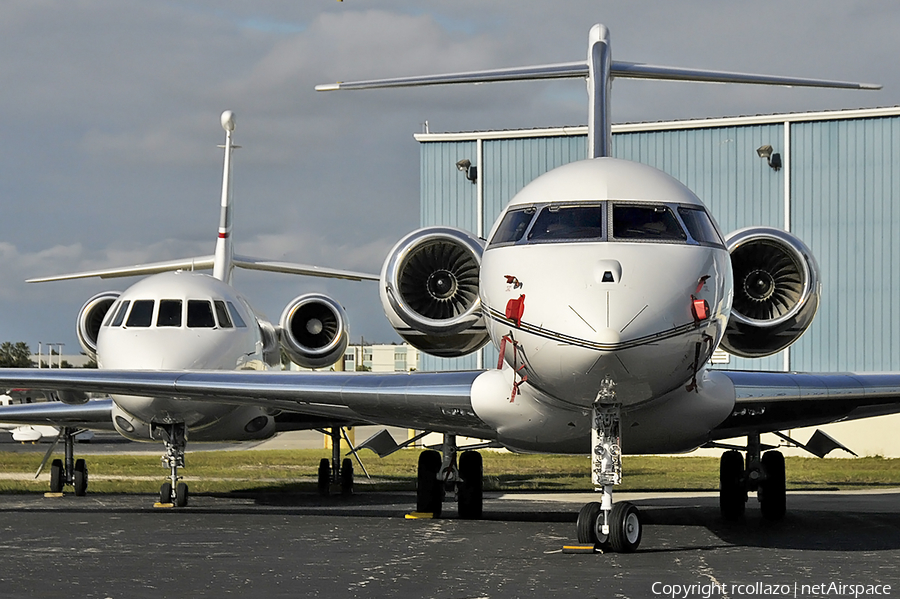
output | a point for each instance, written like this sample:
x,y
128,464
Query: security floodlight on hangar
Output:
x,y
832,178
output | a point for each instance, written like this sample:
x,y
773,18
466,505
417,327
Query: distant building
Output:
x,y
375,358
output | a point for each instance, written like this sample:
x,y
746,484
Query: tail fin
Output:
x,y
599,70
223,263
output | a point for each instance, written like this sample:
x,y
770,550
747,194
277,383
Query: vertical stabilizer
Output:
x,y
223,263
599,83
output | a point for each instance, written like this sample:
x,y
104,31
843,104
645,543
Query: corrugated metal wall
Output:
x,y
843,189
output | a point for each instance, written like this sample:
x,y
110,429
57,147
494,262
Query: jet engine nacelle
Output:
x,y
429,291
90,317
776,291
314,330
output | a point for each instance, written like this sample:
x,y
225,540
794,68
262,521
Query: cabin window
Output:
x,y
169,313
141,314
700,226
200,315
646,223
236,316
513,226
222,315
120,315
556,223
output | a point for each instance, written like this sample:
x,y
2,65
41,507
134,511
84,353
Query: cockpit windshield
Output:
x,y
609,221
646,223
513,226
568,222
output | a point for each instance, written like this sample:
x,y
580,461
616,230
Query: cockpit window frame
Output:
x,y
138,317
669,207
557,207
720,240
171,324
533,210
191,316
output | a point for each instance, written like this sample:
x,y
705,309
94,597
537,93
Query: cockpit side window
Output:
x,y
141,314
513,226
236,316
111,314
700,226
120,315
222,315
169,313
200,315
646,223
568,222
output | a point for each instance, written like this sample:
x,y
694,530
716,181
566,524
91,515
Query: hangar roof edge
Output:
x,y
759,119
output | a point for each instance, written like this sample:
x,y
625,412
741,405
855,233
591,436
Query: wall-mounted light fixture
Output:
x,y
465,166
773,158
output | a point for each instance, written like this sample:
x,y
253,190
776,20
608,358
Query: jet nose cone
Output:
x,y
608,336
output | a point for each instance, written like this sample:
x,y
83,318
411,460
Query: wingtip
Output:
x,y
328,87
872,86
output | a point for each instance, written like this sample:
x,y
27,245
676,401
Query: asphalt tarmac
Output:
x,y
362,546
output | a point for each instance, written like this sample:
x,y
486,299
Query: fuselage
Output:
x,y
180,321
598,270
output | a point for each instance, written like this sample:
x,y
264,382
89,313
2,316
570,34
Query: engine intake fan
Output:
x,y
776,291
313,330
429,291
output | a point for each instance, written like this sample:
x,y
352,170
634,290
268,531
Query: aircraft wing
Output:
x,y
776,401
438,401
96,414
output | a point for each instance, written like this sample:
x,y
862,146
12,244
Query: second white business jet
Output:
x,y
182,319
605,285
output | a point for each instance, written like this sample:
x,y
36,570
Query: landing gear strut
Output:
x,y
616,527
69,471
765,475
174,436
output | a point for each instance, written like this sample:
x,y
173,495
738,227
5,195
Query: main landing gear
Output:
x,y
603,524
337,472
174,436
765,475
69,471
439,474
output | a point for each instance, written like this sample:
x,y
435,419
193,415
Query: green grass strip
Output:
x,y
295,470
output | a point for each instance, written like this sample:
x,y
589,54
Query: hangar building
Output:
x,y
837,188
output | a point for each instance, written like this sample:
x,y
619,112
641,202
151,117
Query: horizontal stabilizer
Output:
x,y
200,263
206,263
624,70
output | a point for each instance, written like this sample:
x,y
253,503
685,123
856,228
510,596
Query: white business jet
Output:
x,y
605,285
183,319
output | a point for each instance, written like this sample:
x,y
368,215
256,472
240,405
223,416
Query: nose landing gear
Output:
x,y
174,436
605,525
